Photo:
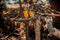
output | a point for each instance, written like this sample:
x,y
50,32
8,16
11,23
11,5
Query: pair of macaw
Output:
x,y
29,13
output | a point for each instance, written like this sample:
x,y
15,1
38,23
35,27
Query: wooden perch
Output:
x,y
50,14
55,34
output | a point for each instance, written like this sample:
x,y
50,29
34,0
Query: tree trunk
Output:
x,y
37,29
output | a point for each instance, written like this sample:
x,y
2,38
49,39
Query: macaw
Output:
x,y
32,13
25,12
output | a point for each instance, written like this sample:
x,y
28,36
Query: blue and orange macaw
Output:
x,y
25,14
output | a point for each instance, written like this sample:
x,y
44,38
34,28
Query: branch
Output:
x,y
55,34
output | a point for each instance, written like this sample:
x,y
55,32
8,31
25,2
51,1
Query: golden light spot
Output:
x,y
4,12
